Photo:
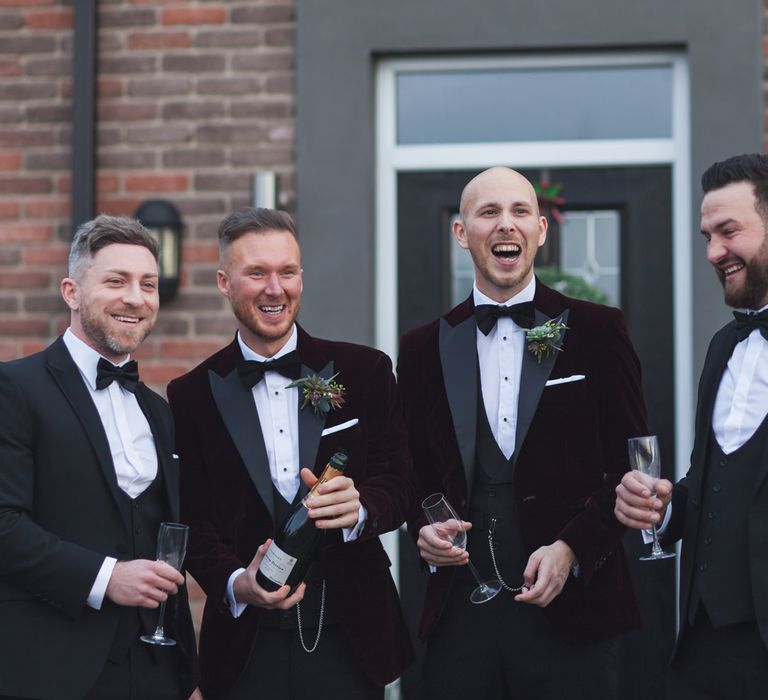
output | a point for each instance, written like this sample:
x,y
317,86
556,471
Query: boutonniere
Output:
x,y
323,394
544,339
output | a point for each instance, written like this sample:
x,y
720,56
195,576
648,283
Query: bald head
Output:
x,y
489,182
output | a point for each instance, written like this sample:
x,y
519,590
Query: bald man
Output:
x,y
519,403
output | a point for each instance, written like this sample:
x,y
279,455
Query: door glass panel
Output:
x,y
590,243
481,106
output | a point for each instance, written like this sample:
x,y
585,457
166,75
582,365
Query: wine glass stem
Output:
x,y
160,632
475,574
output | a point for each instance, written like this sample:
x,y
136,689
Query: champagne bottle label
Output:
x,y
277,565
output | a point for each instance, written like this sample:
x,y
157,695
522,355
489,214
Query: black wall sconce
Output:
x,y
163,221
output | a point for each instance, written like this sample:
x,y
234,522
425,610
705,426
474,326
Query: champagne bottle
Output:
x,y
295,542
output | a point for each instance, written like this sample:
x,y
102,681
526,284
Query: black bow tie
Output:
x,y
126,375
746,323
252,372
487,315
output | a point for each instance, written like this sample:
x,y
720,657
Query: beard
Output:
x,y
248,316
108,342
754,292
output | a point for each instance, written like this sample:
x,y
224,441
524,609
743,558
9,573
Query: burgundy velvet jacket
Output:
x,y
227,499
571,448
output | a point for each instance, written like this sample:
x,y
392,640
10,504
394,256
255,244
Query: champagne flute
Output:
x,y
171,548
644,457
444,521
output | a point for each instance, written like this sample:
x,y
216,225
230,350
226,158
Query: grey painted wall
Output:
x,y
339,40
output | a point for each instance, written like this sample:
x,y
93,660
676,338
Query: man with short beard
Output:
x,y
87,474
527,439
720,508
244,432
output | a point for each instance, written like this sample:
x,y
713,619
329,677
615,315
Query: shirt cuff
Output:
x,y
351,534
660,529
235,608
98,590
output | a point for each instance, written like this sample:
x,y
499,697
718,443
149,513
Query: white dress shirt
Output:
x,y
277,407
500,356
742,399
129,435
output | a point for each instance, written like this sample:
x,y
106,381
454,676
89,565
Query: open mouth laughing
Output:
x,y
272,310
506,252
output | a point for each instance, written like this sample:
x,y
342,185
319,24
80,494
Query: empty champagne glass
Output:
x,y
644,457
444,521
171,548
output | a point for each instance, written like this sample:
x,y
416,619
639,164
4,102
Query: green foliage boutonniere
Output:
x,y
544,339
323,394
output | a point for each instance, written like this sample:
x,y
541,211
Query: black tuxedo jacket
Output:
x,y
687,495
59,518
571,448
227,498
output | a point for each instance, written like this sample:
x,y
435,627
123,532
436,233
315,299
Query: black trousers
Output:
x,y
503,650
729,663
142,674
280,669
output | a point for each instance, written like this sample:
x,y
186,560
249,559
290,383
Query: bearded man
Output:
x,y
720,508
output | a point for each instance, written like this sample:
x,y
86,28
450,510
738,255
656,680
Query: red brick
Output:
x,y
194,15
64,183
30,347
24,280
10,160
9,350
25,185
109,87
162,374
107,183
194,252
189,349
23,327
10,256
157,183
15,138
9,210
126,112
159,40
25,3
118,206
47,208
10,66
50,19
46,255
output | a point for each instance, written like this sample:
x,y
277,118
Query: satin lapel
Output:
x,y
238,411
721,352
458,357
533,377
164,450
66,374
310,427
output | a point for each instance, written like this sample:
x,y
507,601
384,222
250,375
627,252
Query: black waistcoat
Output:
x,y
144,515
721,579
493,504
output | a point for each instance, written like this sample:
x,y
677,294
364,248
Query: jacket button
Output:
x,y
717,488
712,514
703,567
723,461
707,541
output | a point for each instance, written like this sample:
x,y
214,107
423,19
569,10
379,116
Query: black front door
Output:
x,y
427,201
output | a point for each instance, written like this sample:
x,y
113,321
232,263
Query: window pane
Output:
x,y
480,106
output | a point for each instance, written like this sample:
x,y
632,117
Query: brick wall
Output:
x,y
192,98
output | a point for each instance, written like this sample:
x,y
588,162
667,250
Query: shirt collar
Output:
x,y
753,311
526,294
289,346
85,357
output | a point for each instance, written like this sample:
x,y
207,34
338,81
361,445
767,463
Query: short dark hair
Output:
x,y
254,220
102,231
748,167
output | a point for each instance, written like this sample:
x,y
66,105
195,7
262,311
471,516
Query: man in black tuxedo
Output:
x,y
720,508
243,436
528,442
87,474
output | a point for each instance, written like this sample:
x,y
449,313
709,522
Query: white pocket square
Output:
x,y
340,426
566,380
